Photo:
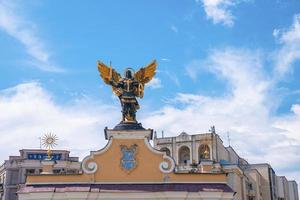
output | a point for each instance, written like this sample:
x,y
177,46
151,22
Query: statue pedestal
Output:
x,y
129,126
128,133
47,166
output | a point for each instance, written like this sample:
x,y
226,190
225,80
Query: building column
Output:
x,y
194,150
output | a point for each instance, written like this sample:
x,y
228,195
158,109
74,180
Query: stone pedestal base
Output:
x,y
47,166
128,134
129,126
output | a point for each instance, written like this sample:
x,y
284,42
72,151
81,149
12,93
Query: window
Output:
x,y
184,155
59,171
72,171
56,171
250,186
30,171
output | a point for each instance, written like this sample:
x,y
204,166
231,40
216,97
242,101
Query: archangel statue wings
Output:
x,y
129,87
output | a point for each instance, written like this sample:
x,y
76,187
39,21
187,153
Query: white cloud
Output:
x,y
290,123
247,97
173,77
28,111
193,68
165,59
26,33
155,83
219,11
276,32
290,49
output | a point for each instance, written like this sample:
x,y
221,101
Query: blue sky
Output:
x,y
229,63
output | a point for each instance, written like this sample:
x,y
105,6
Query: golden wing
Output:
x,y
145,74
108,74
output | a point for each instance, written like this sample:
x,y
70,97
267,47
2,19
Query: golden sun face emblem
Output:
x,y
49,140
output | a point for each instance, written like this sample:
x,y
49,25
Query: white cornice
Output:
x,y
129,134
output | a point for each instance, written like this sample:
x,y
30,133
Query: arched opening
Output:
x,y
184,155
204,152
167,150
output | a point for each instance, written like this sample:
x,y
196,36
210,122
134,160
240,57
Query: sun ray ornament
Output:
x,y
49,142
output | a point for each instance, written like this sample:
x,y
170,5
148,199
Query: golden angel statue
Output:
x,y
129,87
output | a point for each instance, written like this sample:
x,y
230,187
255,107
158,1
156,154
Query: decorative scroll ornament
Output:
x,y
167,166
129,87
89,166
128,161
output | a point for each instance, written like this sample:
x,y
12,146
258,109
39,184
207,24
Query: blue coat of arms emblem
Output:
x,y
128,161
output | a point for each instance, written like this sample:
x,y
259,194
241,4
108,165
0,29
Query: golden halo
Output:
x,y
49,140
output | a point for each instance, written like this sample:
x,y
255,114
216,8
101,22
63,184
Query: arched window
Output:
x,y
204,152
184,155
167,150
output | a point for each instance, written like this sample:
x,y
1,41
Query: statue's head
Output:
x,y
129,73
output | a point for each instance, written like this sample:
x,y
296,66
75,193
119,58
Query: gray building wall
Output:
x,y
293,190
